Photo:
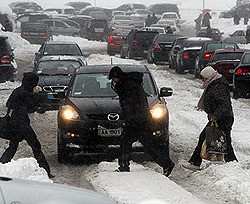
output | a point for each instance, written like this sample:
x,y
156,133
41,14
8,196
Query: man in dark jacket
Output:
x,y
206,19
216,102
23,101
137,120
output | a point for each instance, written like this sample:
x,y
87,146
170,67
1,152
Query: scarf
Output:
x,y
200,105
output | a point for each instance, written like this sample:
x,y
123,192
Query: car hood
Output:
x,y
103,105
54,80
192,48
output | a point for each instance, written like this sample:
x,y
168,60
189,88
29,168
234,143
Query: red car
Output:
x,y
115,41
225,61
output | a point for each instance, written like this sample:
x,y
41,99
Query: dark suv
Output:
x,y
90,122
137,43
7,64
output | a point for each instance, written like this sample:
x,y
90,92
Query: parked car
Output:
x,y
237,37
215,33
159,50
166,23
8,66
241,78
161,8
18,7
54,74
29,18
50,48
35,33
225,61
171,16
15,190
78,5
115,12
89,119
81,20
115,41
59,27
137,43
86,11
173,52
97,29
188,52
206,53
122,22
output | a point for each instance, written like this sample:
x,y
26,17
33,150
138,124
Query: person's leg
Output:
x,y
31,138
10,151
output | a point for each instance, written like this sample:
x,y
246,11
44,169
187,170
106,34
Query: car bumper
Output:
x,y
7,72
161,56
114,48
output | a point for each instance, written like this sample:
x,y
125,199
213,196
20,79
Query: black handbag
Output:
x,y
4,126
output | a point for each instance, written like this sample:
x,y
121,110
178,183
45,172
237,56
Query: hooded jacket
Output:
x,y
22,100
217,102
133,98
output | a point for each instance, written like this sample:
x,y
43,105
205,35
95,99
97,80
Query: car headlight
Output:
x,y
158,111
69,113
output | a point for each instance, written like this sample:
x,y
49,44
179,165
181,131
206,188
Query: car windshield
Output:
x,y
57,67
166,22
228,56
62,49
246,59
127,18
193,43
98,85
213,47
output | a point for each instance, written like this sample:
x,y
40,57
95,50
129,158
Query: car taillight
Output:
x,y
242,71
207,56
24,33
43,34
110,39
131,24
6,59
174,29
134,42
185,55
157,46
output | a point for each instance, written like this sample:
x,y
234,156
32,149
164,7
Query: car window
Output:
x,y
69,11
62,49
98,23
122,18
57,67
60,24
213,47
98,85
228,56
246,59
241,33
49,23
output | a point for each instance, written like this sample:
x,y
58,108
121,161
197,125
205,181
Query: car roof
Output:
x,y
231,50
59,57
59,42
198,39
106,68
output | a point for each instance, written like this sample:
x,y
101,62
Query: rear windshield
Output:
x,y
212,47
62,49
166,38
228,56
98,23
167,23
57,67
98,85
172,15
140,36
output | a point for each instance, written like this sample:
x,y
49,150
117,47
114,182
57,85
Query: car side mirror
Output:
x,y
86,54
165,91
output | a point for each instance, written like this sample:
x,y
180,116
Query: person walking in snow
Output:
x,y
216,102
206,19
23,101
137,120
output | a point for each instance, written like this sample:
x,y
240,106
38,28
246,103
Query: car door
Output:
x,y
62,28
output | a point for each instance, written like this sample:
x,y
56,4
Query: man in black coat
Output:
x,y
137,120
216,102
23,101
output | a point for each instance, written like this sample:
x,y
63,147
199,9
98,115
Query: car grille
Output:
x,y
55,89
99,116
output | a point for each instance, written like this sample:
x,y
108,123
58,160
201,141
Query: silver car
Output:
x,y
20,191
239,36
121,21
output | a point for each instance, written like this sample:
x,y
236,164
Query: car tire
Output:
x,y
179,70
62,152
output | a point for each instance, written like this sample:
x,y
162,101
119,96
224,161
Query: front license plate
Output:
x,y
109,132
50,96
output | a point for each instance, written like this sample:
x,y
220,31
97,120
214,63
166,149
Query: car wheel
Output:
x,y
62,152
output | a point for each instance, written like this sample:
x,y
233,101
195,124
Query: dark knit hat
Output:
x,y
115,72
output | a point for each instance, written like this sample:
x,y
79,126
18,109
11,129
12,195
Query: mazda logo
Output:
x,y
113,116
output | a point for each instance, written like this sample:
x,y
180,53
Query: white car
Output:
x,y
164,23
171,16
121,21
14,190
158,29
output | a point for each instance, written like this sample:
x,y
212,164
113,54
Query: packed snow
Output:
x,y
217,182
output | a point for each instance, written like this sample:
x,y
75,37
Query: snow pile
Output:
x,y
25,168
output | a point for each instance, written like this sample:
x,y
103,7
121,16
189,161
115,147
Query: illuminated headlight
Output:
x,y
69,113
158,111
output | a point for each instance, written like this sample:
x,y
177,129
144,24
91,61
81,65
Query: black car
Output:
x,y
241,78
187,54
89,118
50,48
173,52
136,43
35,33
54,74
159,50
7,64
206,53
213,33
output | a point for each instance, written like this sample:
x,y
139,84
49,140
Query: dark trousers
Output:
x,y
159,152
26,132
225,125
